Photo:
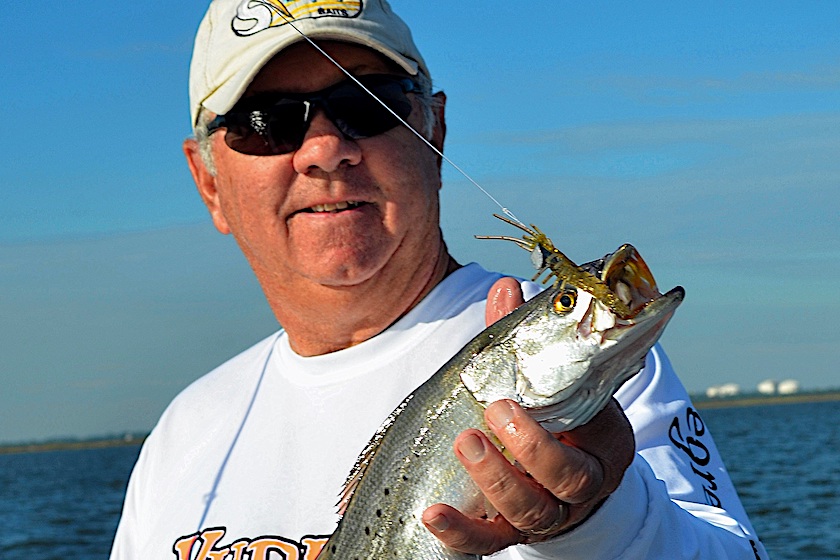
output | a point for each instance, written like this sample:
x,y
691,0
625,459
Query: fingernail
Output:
x,y
472,448
438,523
499,414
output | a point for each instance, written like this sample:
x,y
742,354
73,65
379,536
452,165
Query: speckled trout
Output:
x,y
562,355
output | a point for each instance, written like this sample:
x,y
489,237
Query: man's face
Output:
x,y
290,213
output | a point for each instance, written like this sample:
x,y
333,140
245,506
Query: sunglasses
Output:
x,y
276,123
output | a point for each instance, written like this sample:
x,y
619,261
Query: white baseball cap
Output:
x,y
237,38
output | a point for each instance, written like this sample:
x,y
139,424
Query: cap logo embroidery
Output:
x,y
253,16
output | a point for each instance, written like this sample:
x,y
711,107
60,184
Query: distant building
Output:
x,y
767,387
725,390
729,389
788,387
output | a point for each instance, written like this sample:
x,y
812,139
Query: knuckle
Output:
x,y
536,518
459,540
480,537
528,449
500,486
580,485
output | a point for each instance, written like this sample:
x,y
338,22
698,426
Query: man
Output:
x,y
338,216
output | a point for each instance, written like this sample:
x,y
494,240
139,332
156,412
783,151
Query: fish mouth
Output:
x,y
629,278
624,341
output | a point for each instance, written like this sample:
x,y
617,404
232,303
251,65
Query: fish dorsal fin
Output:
x,y
365,457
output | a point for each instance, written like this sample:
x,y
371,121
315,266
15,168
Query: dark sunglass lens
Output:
x,y
361,116
286,125
276,129
242,137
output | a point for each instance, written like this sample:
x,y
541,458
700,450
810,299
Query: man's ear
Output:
x,y
206,184
439,132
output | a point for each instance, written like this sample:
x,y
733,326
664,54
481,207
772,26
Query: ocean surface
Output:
x,y
784,459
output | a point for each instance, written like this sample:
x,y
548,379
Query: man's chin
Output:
x,y
343,271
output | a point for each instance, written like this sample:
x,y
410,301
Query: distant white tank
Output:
x,y
788,387
767,387
729,389
725,390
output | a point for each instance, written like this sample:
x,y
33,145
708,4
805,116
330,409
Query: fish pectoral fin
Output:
x,y
358,471
365,457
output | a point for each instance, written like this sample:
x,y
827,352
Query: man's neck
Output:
x,y
329,318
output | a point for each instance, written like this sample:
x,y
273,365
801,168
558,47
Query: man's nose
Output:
x,y
325,147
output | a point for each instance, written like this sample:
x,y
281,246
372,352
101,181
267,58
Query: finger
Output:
x,y
467,534
526,505
580,467
504,296
608,437
568,473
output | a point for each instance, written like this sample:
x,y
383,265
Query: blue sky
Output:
x,y
706,135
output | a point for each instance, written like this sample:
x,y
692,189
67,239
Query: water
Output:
x,y
62,504
785,462
784,459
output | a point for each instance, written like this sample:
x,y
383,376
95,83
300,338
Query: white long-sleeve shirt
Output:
x,y
248,461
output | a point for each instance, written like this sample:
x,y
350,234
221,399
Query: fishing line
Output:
x,y
505,211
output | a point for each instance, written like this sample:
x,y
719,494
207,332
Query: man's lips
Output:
x,y
333,207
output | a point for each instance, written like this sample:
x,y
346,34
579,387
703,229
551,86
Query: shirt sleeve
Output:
x,y
676,501
127,538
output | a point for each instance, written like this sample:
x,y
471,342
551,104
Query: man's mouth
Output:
x,y
334,207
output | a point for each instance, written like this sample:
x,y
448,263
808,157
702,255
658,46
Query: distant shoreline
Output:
x,y
699,402
754,400
70,445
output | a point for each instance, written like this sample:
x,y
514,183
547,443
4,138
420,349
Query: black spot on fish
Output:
x,y
367,531
387,491
379,513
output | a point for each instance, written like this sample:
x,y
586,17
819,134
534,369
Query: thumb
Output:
x,y
504,296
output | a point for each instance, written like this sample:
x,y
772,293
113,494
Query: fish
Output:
x,y
561,356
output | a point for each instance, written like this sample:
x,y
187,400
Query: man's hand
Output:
x,y
558,481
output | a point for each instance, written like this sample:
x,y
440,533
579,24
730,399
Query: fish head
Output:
x,y
563,354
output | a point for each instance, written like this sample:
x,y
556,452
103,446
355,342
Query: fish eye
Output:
x,y
565,301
